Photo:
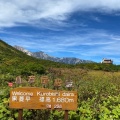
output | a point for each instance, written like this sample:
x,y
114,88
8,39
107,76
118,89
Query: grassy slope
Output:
x,y
9,55
12,57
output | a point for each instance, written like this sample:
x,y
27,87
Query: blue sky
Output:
x,y
86,29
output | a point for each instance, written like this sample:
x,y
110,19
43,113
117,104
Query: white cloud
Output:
x,y
47,13
91,43
13,12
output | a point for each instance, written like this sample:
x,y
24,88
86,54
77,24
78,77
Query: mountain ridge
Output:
x,y
43,55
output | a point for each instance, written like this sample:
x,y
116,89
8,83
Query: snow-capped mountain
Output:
x,y
42,55
23,50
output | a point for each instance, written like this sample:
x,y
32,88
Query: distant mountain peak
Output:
x,y
23,50
43,55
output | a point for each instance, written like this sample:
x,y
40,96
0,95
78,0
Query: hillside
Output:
x,y
9,55
16,62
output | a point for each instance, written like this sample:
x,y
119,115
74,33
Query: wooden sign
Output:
x,y
44,79
69,84
41,98
18,80
31,79
57,82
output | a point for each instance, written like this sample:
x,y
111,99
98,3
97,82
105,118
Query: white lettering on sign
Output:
x,y
27,98
53,99
67,94
14,98
66,100
41,99
48,94
22,93
48,99
21,98
63,100
48,106
57,106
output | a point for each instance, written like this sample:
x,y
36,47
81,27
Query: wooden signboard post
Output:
x,y
41,98
69,84
31,79
44,81
18,80
57,83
